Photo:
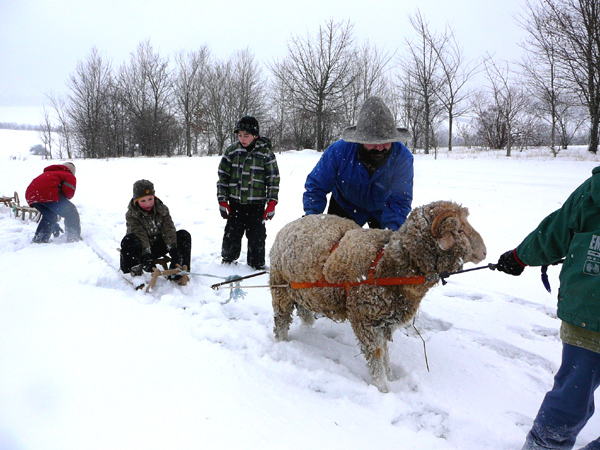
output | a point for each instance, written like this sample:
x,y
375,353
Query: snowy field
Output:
x,y
87,363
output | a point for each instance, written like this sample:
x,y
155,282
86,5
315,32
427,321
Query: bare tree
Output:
x,y
573,26
235,88
544,73
317,71
60,108
191,92
422,67
45,133
490,127
411,108
145,86
454,75
248,86
220,114
370,67
89,89
508,96
281,115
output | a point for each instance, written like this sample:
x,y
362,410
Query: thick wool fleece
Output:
x,y
302,257
302,252
344,265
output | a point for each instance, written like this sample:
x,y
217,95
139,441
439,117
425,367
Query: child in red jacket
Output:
x,y
50,193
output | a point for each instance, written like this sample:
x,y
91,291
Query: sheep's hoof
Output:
x,y
305,315
281,335
391,376
382,386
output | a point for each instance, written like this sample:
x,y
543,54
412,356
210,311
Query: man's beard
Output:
x,y
373,158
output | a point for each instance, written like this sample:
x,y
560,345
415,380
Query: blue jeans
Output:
x,y
569,405
50,213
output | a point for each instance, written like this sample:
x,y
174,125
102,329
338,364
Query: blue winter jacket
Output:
x,y
387,195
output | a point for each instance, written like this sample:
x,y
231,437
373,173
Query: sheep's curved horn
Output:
x,y
435,226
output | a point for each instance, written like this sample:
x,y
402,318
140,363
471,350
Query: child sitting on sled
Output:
x,y
151,234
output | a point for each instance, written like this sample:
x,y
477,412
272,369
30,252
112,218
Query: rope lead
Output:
x,y
445,274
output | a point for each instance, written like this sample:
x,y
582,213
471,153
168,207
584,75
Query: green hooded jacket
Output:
x,y
149,226
573,232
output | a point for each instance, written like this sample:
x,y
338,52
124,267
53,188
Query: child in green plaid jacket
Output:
x,y
247,192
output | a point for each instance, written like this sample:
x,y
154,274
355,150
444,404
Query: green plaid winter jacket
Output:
x,y
248,176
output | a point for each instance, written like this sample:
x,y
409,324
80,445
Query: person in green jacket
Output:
x,y
573,233
247,192
151,234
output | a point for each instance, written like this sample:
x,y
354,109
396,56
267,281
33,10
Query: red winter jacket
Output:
x,y
46,188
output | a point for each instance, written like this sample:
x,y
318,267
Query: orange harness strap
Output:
x,y
370,280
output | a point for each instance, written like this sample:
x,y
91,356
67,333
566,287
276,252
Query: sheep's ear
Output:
x,y
446,242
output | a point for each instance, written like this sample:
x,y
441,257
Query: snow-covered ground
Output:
x,y
87,363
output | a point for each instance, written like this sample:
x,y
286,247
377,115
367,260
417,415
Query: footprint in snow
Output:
x,y
509,351
536,333
474,297
548,310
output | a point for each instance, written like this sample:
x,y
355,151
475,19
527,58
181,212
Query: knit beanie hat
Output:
x,y
70,166
248,124
375,125
141,188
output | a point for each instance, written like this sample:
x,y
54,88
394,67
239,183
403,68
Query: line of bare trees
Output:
x,y
154,106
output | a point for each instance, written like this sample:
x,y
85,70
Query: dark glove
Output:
x,y
510,264
270,210
148,262
176,258
224,209
56,230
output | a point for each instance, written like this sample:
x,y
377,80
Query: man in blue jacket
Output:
x,y
369,172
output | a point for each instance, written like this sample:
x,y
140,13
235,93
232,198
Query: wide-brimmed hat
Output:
x,y
375,125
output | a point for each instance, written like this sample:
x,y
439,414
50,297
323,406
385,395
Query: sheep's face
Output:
x,y
451,228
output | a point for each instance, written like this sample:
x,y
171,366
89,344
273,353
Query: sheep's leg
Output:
x,y
283,307
387,332
306,316
373,345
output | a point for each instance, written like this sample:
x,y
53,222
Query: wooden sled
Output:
x,y
21,211
8,201
166,272
156,272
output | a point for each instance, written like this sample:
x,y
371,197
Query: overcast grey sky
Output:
x,y
41,41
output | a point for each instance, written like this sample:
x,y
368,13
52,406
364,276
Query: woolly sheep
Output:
x,y
436,237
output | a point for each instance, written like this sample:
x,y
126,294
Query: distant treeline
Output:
x,y
189,103
19,126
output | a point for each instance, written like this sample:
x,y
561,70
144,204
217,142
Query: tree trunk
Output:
x,y
450,125
593,147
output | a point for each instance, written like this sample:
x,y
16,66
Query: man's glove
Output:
x,y
270,210
509,263
224,210
176,258
148,262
